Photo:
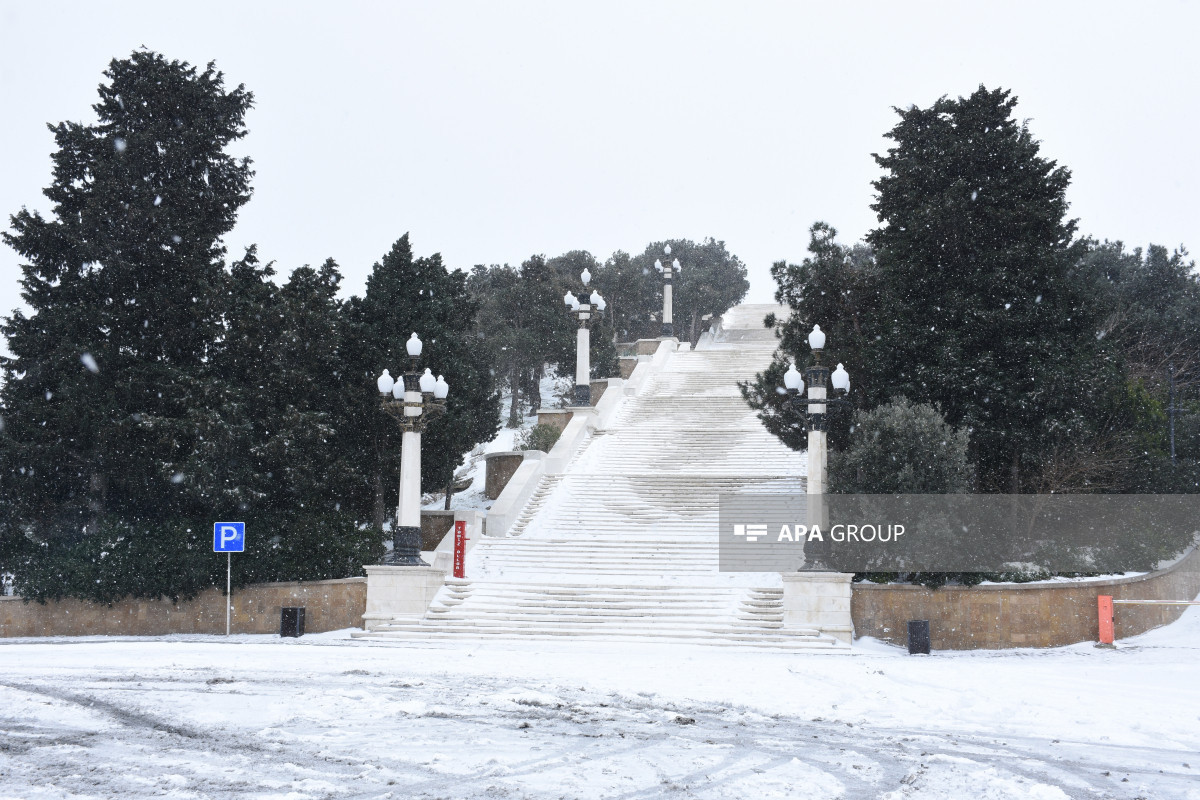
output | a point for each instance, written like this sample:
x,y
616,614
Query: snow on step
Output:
x,y
623,544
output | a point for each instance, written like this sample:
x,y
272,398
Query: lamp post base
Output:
x,y
406,548
583,394
668,331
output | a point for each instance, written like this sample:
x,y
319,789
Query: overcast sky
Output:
x,y
493,131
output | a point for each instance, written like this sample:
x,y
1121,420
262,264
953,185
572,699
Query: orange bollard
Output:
x,y
1105,606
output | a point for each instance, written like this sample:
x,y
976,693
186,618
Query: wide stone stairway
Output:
x,y
622,543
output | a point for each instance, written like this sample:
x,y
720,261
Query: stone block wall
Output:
x,y
499,469
434,527
329,605
1021,615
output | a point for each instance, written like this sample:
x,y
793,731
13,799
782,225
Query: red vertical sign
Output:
x,y
1105,607
460,547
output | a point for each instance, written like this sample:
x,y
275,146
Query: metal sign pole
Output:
x,y
229,538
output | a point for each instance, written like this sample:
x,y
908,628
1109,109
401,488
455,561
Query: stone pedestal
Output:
x,y
558,417
399,591
499,468
818,600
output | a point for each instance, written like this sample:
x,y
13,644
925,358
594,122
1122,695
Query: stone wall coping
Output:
x,y
499,453
271,585
387,569
1179,564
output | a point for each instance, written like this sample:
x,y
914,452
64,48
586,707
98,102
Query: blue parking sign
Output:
x,y
229,537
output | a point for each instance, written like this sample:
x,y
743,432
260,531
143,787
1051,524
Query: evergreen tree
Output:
x,y
710,281
902,448
985,312
633,291
407,295
107,386
838,288
502,329
560,334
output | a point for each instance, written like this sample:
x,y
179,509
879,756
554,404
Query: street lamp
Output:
x,y
583,310
667,271
818,378
411,401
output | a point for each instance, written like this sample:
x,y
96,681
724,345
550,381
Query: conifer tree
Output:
x,y
987,314
407,295
125,281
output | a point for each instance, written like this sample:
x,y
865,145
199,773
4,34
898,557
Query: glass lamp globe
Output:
x,y
585,276
441,388
675,265
840,378
385,383
792,379
667,249
427,381
816,339
413,345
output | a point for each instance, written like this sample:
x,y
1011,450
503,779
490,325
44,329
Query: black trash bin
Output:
x,y
291,622
918,637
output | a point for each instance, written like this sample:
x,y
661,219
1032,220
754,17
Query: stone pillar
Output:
x,y
583,365
817,448
668,328
819,600
397,591
406,540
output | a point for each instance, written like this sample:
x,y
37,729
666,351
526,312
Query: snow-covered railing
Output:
x,y
524,482
649,366
517,492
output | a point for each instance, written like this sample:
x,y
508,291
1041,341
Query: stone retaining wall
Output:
x,y
329,605
1021,615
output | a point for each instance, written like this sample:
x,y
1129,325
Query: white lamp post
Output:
x,y
583,310
667,271
411,401
818,377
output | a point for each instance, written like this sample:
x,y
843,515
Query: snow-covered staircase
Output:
x,y
622,545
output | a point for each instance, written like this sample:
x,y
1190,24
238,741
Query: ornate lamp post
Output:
x,y
583,310
667,271
818,379
411,401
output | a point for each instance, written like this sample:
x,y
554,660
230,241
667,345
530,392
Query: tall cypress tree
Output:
x,y
987,314
407,295
105,393
125,283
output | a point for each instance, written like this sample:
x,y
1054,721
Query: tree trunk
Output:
x,y
693,337
97,498
514,411
378,508
1015,487
535,389
449,492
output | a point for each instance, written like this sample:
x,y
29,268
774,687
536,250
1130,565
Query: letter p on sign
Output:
x,y
229,537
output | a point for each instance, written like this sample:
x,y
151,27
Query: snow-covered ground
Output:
x,y
323,716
